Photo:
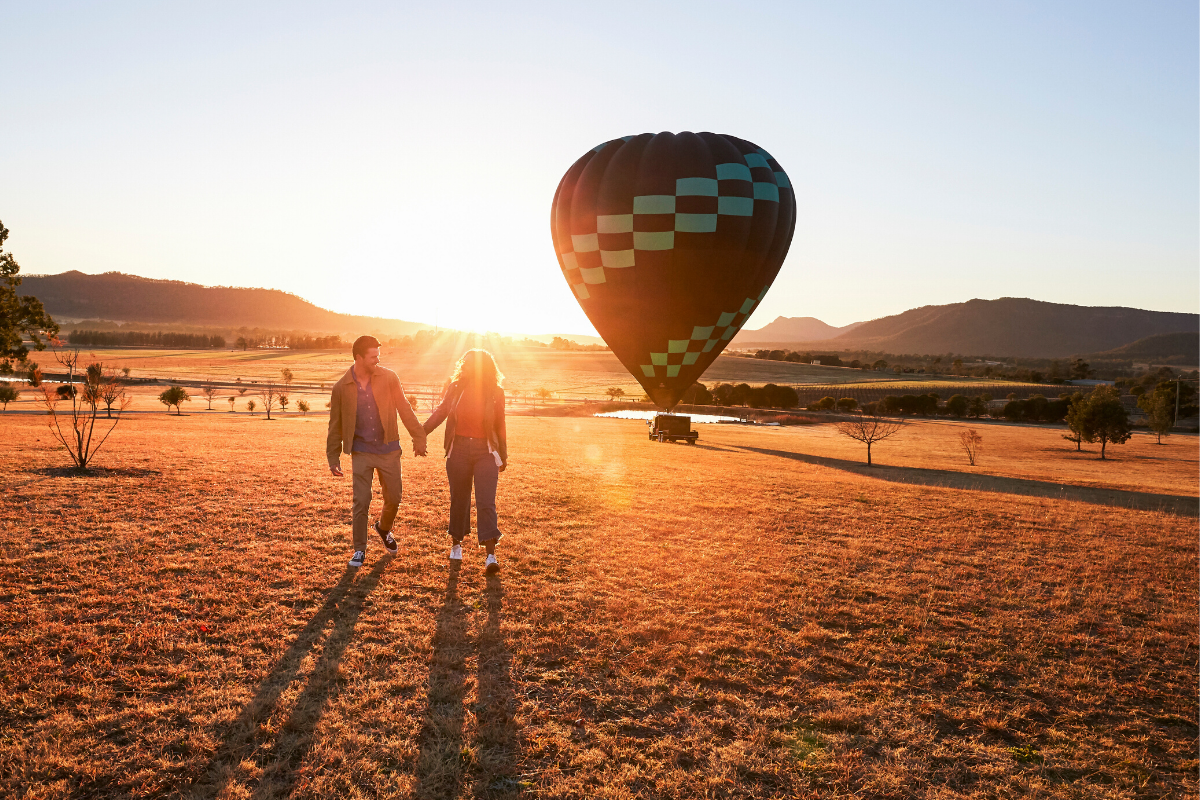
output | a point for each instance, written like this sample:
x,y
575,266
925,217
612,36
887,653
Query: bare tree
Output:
x,y
75,428
971,442
103,385
210,393
269,395
869,429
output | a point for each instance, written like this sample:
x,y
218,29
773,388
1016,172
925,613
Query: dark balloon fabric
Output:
x,y
669,242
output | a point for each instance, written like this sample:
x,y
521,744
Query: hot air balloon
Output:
x,y
669,242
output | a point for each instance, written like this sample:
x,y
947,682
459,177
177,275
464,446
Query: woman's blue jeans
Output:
x,y
469,463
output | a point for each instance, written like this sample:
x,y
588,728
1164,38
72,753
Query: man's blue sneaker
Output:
x,y
388,541
358,558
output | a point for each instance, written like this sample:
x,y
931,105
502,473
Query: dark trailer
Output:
x,y
672,427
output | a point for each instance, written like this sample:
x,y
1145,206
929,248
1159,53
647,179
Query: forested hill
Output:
x,y
129,298
1011,327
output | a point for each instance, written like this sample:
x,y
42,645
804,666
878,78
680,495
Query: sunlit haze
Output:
x,y
400,161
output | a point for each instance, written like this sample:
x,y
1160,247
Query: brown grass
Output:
x,y
578,374
734,619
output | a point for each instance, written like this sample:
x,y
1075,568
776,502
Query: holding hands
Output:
x,y
419,448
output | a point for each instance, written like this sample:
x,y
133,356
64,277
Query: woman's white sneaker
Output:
x,y
456,553
491,566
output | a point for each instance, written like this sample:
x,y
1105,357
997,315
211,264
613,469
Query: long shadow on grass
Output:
x,y
496,740
1146,501
445,763
279,756
440,762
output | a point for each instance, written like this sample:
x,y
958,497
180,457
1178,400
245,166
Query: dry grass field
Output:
x,y
527,368
756,616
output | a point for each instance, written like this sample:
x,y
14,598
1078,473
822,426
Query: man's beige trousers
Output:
x,y
364,466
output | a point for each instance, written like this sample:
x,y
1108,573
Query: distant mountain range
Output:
x,y
793,329
119,297
1014,327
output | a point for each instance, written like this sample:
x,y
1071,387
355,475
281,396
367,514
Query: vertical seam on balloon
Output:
x,y
736,156
613,259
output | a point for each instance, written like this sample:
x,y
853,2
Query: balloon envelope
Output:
x,y
669,242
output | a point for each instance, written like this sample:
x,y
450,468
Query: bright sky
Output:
x,y
399,160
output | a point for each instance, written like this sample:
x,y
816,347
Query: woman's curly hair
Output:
x,y
478,368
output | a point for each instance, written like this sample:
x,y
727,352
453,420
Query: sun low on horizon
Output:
x,y
688,400
401,162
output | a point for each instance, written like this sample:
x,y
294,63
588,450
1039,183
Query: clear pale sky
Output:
x,y
400,160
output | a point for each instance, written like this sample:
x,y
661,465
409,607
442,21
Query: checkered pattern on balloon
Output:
x,y
669,242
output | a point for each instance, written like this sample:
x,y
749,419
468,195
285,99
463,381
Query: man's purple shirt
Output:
x,y
368,427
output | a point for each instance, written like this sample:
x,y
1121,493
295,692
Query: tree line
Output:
x,y
290,341
1035,371
188,341
1027,369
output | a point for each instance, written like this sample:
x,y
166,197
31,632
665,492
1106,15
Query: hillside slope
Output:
x,y
792,329
1167,348
1015,327
129,298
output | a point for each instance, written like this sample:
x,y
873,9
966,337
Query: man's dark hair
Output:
x,y
362,344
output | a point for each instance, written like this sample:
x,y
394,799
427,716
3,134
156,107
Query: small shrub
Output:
x,y
824,404
8,394
1026,754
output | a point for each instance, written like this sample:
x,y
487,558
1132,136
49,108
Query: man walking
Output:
x,y
362,422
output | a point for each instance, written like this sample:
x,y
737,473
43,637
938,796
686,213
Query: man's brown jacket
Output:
x,y
389,397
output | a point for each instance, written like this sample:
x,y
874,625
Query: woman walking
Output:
x,y
476,449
